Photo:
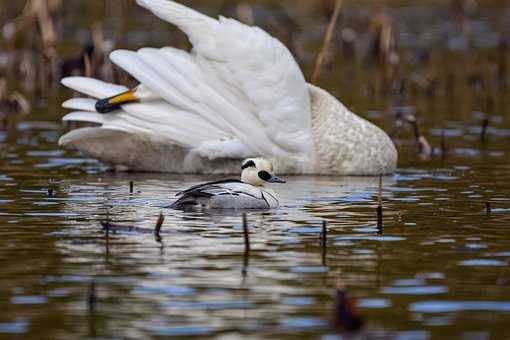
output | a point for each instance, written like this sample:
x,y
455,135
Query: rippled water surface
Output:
x,y
439,268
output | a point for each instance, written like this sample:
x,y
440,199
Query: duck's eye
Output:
x,y
249,164
264,175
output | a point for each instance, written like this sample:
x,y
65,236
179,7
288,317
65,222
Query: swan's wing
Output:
x,y
157,116
251,84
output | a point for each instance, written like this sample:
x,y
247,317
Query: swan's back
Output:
x,y
345,143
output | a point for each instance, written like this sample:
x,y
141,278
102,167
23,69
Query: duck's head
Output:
x,y
258,171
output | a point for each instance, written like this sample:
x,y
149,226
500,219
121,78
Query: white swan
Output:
x,y
238,94
248,193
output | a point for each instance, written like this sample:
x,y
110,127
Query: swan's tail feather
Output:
x,y
145,74
142,67
81,104
93,87
84,116
154,117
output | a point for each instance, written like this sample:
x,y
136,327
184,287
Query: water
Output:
x,y
439,269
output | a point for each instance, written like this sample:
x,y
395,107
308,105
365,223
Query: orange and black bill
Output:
x,y
111,104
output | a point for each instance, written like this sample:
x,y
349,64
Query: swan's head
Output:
x,y
258,171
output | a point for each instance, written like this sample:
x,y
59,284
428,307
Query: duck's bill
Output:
x,y
275,179
111,104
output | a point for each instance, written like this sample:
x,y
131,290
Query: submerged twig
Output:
x,y
326,42
488,208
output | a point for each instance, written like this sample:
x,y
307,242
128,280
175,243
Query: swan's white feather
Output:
x,y
82,104
111,122
84,116
93,87
185,128
239,93
256,65
211,106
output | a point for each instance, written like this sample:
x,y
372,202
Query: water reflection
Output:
x,y
442,259
198,281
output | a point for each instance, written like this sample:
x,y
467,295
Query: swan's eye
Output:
x,y
248,164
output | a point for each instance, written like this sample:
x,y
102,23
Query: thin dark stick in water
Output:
x,y
379,207
443,144
92,297
159,223
246,234
50,192
488,208
485,125
246,263
326,42
131,187
106,225
324,239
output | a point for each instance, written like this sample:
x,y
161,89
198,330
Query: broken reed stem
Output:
x,y
488,208
326,42
159,224
246,234
131,187
324,239
380,207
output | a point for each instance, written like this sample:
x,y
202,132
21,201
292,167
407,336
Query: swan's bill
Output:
x,y
111,104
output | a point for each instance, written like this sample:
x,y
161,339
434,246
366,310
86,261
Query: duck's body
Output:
x,y
248,193
239,93
227,194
